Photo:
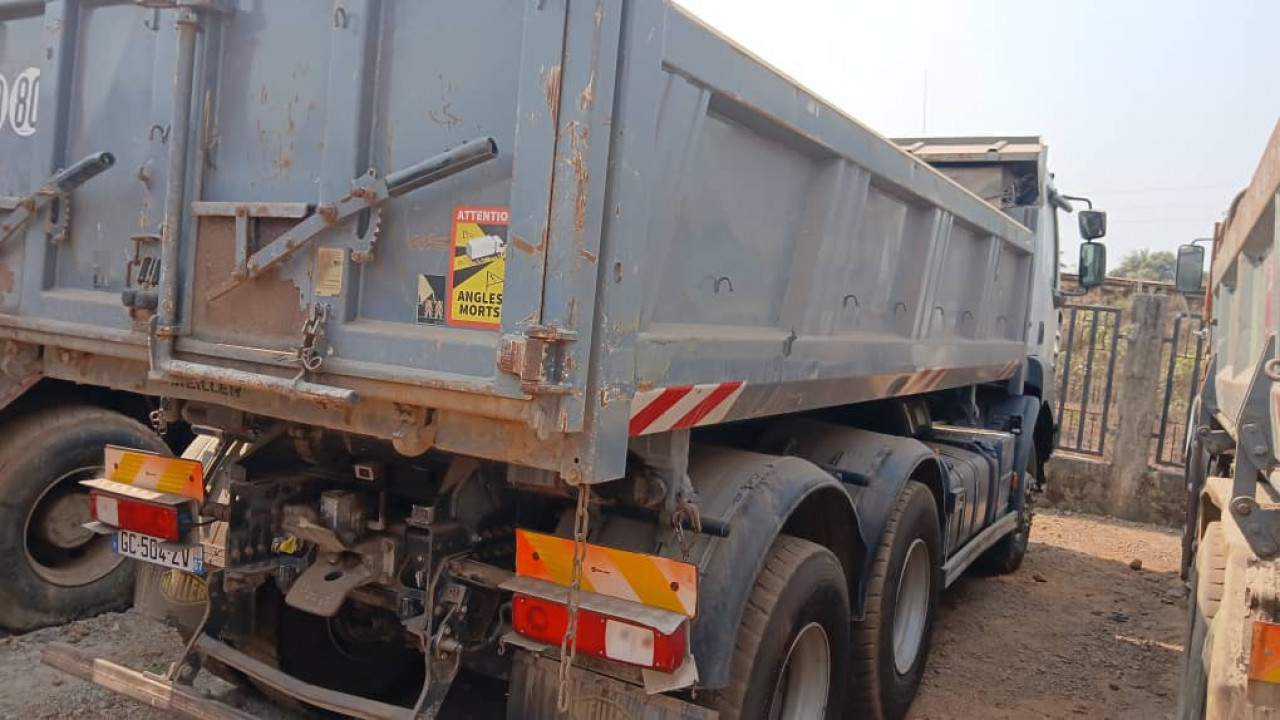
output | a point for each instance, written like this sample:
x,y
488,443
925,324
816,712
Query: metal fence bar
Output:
x,y
1088,379
1078,398
1066,364
1111,372
1171,435
1194,385
1168,388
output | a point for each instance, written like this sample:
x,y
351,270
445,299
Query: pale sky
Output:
x,y
1158,110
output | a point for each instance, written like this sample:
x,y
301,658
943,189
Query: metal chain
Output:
x,y
686,545
159,418
569,645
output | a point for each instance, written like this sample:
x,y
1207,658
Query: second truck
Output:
x,y
1231,542
564,342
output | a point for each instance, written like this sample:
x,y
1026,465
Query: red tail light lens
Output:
x,y
158,521
599,635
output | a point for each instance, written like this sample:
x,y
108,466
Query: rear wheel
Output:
x,y
891,644
790,659
1207,577
51,568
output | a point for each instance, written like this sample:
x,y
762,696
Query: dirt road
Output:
x,y
1075,633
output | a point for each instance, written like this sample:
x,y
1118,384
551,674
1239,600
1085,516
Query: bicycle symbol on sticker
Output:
x,y
20,102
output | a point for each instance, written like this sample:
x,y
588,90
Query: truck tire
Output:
x,y
1207,576
52,570
891,643
1006,555
792,647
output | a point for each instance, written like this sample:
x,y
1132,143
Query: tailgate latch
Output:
x,y
538,358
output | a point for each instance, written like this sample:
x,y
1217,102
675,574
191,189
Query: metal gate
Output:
x,y
1087,364
1183,353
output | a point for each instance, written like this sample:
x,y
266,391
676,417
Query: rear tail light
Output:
x,y
166,522
600,635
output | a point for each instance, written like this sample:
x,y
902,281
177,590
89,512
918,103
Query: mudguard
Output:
x,y
755,494
875,468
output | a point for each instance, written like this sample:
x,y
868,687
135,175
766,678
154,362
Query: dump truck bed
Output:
x,y
515,230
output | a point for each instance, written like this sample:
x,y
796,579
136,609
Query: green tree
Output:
x,y
1147,265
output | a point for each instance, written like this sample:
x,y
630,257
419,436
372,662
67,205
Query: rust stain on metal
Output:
x,y
588,96
524,245
426,242
587,254
266,312
445,117
263,95
578,140
551,84
6,279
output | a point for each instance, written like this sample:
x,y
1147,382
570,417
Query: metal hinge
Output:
x,y
537,357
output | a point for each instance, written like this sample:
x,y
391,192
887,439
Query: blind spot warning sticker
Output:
x,y
479,266
431,295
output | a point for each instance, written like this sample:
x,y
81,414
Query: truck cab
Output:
x,y
1011,172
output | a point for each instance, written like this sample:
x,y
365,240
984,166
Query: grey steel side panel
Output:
x,y
679,212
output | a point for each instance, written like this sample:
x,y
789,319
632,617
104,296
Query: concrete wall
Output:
x,y
1084,484
1125,485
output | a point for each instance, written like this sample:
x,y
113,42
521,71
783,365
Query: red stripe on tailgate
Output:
x,y
709,403
654,410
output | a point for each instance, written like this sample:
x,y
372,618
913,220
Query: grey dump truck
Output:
x,y
562,342
1231,541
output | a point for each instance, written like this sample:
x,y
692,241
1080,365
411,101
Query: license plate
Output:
x,y
154,550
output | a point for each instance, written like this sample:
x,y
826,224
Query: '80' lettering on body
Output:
x,y
20,102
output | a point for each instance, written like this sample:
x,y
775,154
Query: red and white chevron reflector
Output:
x,y
1009,369
682,406
922,381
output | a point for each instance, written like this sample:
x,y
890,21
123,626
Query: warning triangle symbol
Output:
x,y
491,279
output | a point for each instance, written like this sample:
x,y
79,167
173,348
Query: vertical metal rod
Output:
x,y
1111,372
1193,385
176,190
1066,365
1088,378
1168,387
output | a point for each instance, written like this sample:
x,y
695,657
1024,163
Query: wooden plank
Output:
x,y
147,689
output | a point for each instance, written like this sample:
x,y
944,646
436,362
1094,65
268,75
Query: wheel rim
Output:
x,y
803,684
57,548
911,612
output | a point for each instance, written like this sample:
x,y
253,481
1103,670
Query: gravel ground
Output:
x,y
1076,633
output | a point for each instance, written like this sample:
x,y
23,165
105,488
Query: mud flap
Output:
x,y
535,682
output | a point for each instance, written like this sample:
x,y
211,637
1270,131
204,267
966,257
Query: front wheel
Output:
x,y
891,644
1007,554
790,659
1207,577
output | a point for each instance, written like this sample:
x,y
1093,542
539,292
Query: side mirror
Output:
x,y
1093,224
1093,264
1188,275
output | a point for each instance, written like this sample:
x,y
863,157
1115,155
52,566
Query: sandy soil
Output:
x,y
1075,633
